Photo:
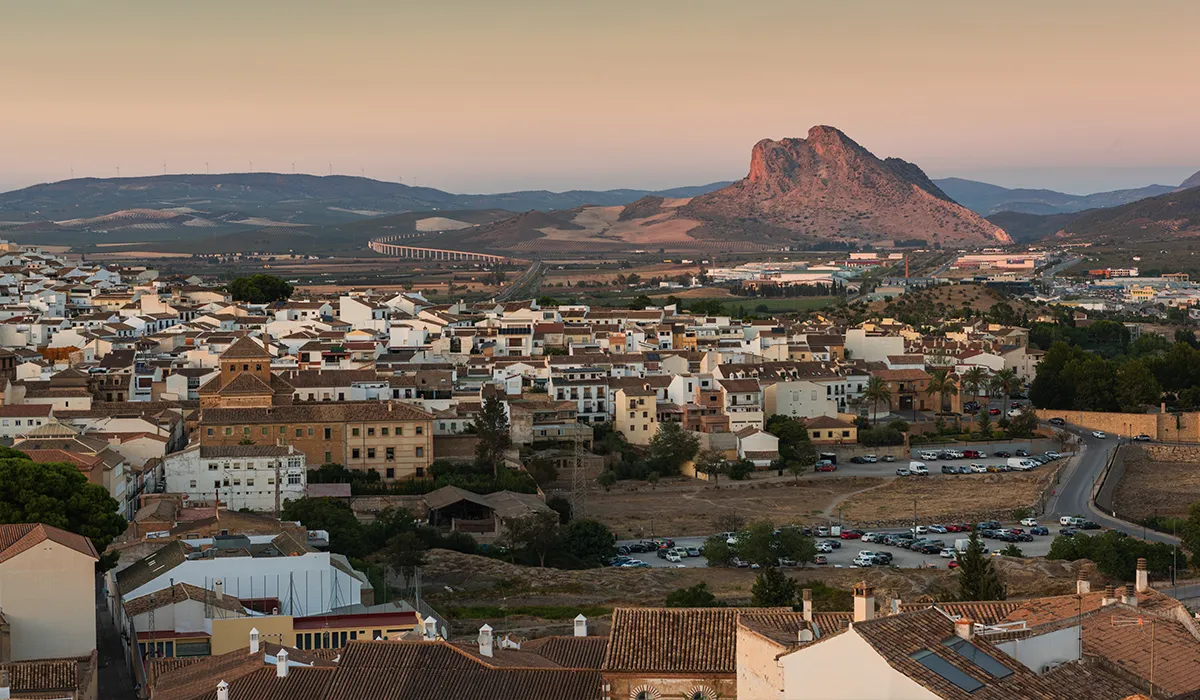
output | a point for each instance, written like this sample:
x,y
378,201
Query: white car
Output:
x,y
929,456
673,557
869,536
870,459
921,530
824,548
864,561
866,554
1029,522
946,554
979,468
1053,455
1100,434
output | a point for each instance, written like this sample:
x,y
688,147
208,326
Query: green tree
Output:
x,y
405,554
791,543
607,479
1136,387
346,533
717,551
640,302
260,289
1006,382
491,426
537,534
711,462
795,445
589,540
58,495
670,448
1012,550
1023,424
542,470
975,380
977,577
697,596
941,384
877,390
985,424
562,506
741,469
772,589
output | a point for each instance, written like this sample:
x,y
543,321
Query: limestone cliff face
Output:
x,y
826,186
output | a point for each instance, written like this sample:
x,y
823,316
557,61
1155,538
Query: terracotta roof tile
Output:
x,y
19,537
675,640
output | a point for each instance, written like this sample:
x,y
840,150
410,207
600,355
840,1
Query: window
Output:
x,y
391,472
328,457
420,451
257,368
264,430
979,657
356,453
383,432
354,432
328,436
420,472
370,432
400,431
237,482
282,429
310,432
249,482
212,466
390,453
216,484
420,430
948,672
246,430
299,432
370,453
293,479
229,431
192,484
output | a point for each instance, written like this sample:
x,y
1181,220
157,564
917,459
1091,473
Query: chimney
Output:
x,y
580,625
1130,597
806,598
219,587
430,629
864,602
1082,585
804,636
964,627
222,691
1110,596
485,641
281,664
895,606
5,687
1142,576
253,640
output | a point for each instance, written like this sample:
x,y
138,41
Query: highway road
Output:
x,y
522,282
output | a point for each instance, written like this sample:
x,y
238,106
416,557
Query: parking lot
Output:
x,y
882,468
843,557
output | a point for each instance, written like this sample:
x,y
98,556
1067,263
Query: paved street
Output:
x,y
114,679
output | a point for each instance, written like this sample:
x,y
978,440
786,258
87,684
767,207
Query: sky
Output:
x,y
496,95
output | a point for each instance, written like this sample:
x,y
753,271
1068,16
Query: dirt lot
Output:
x,y
689,507
476,581
1151,488
952,499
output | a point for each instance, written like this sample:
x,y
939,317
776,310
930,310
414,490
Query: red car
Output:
x,y
994,412
971,454
851,534
820,559
953,564
954,528
824,466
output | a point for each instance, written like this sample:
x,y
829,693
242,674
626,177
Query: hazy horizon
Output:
x,y
472,96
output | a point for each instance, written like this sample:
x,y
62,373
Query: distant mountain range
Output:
x,y
988,199
280,199
1167,217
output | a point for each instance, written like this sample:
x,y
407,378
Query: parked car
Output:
x,y
822,531
870,537
949,469
939,529
970,454
1089,525
953,564
636,564
1053,455
825,465
820,560
784,561
1099,434
740,563
1141,438
1021,453
693,552
1039,530
930,456
870,459
623,549
946,553
673,557
864,561
889,458
662,552
1069,520
883,558
993,412
824,548
988,533
921,530
851,534
857,460
903,472
1057,421
918,469
1002,453
1029,522
834,543
1068,531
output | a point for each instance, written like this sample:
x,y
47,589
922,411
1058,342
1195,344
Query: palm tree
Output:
x,y
942,384
877,390
1005,381
973,380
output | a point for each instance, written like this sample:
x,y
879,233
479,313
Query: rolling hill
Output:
x,y
1166,217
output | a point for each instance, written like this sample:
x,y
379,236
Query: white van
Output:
x,y
931,456
918,468
1070,521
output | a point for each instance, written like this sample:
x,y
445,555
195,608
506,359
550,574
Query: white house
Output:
x,y
240,476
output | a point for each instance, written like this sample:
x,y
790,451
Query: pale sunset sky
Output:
x,y
495,95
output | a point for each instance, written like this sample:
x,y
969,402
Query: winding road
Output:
x,y
1074,494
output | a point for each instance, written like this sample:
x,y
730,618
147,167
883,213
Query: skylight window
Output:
x,y
979,657
948,672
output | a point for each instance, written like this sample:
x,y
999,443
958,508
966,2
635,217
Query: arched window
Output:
x,y
645,692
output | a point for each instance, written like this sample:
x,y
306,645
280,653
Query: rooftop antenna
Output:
x,y
1141,622
206,167
164,167
118,171
251,166
331,168
293,167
